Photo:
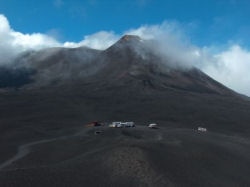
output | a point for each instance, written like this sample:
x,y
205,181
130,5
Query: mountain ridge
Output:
x,y
47,142
130,58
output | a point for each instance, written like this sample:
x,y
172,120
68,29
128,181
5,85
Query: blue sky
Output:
x,y
212,35
206,22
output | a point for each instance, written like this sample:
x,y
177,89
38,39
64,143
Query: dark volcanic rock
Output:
x,y
45,142
15,77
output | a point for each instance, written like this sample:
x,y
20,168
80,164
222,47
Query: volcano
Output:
x,y
47,97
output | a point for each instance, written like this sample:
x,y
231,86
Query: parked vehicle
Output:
x,y
128,124
153,126
116,124
202,129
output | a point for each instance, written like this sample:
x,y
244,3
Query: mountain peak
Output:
x,y
127,42
130,38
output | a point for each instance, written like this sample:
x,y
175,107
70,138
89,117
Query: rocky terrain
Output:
x,y
47,97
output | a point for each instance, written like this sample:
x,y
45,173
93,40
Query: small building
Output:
x,y
119,124
202,129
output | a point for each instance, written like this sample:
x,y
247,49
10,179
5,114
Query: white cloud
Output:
x,y
230,66
13,42
99,40
171,43
4,26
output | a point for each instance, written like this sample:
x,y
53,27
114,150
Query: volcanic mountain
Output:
x,y
131,60
48,96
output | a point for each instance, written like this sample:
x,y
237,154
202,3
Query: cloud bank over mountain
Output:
x,y
229,66
13,42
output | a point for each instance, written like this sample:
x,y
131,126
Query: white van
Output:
x,y
128,124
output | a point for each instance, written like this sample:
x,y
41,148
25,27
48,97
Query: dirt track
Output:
x,y
133,157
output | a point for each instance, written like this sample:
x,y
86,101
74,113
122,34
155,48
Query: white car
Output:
x,y
153,126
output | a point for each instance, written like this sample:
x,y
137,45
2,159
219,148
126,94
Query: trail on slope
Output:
x,y
24,149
